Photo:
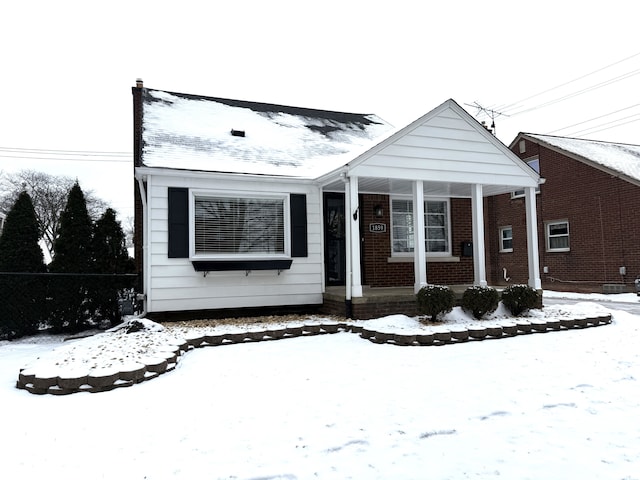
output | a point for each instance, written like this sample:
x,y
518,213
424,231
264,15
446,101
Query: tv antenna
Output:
x,y
492,114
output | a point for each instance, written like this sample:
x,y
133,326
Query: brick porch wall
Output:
x,y
377,271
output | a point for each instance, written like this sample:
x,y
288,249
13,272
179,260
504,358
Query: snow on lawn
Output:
x,y
555,406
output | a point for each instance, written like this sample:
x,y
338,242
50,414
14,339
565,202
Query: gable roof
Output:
x,y
446,148
619,159
191,132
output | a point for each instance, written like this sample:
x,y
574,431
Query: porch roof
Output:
x,y
447,149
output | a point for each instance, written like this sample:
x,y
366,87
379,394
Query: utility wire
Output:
x,y
589,131
63,159
592,119
85,153
511,106
580,92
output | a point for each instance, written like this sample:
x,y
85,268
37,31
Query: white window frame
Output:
x,y
502,239
445,254
239,195
549,237
529,161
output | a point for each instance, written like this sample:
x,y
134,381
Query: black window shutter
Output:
x,y
298,207
178,222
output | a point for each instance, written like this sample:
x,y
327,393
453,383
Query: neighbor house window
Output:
x,y
239,226
535,164
436,224
506,239
557,236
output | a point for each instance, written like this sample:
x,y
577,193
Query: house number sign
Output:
x,y
377,227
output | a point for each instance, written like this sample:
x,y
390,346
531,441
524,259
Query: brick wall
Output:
x,y
376,248
604,226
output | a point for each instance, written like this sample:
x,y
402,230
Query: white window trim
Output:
x,y
547,237
433,255
238,256
501,239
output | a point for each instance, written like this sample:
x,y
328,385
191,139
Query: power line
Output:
x,y
592,119
589,131
63,159
64,152
513,105
580,92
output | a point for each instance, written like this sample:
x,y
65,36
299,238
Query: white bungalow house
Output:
x,y
245,205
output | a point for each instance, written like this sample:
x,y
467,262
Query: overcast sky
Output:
x,y
543,67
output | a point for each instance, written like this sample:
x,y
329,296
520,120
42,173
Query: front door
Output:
x,y
334,239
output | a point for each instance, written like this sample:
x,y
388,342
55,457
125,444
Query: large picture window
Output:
x,y
239,226
436,224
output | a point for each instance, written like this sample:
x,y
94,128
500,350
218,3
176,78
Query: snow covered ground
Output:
x,y
553,406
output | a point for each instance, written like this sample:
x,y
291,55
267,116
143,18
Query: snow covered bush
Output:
x,y
434,300
480,300
520,298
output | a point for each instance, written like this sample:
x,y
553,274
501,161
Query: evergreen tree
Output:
x,y
24,295
110,256
73,257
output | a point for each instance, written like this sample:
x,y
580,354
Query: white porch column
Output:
x,y
354,245
419,247
532,238
477,213
347,241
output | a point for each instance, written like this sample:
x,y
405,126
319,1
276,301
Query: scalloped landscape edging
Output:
x,y
152,367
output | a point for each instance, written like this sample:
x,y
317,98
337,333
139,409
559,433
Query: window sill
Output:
x,y
429,259
509,250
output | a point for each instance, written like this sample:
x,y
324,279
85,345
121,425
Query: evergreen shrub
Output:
x,y
22,286
70,309
434,300
480,300
520,298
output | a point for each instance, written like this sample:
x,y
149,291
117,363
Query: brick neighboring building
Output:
x,y
588,214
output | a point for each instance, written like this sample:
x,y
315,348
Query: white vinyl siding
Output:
x,y
557,236
237,226
437,226
174,285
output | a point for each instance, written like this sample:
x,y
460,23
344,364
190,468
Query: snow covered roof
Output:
x,y
193,132
618,157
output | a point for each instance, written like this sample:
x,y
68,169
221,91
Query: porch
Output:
x,y
378,302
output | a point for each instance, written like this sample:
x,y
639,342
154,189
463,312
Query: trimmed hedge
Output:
x,y
520,298
480,300
434,300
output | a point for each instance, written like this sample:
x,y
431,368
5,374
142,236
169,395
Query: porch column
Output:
x,y
419,247
477,213
354,244
532,238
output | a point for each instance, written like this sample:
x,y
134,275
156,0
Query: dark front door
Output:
x,y
334,239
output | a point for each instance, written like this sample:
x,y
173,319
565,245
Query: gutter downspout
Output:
x,y
145,241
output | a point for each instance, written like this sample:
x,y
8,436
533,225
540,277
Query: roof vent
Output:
x,y
237,133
